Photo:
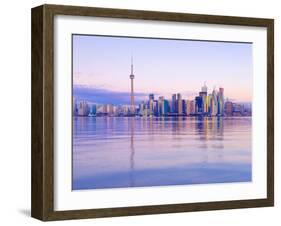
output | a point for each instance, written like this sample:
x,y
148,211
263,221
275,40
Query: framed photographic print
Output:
x,y
141,112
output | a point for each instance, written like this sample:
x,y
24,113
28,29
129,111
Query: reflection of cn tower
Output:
x,y
132,148
132,107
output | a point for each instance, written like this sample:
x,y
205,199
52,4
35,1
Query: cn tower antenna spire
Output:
x,y
132,65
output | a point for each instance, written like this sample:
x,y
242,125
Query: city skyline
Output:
x,y
177,71
206,104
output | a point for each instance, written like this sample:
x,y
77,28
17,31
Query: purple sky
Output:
x,y
101,68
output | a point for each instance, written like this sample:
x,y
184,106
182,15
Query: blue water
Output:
x,y
115,152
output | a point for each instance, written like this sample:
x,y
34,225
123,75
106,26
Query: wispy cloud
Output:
x,y
105,96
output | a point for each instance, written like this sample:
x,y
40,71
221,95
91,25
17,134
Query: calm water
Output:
x,y
117,152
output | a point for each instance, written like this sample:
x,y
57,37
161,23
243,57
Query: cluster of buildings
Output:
x,y
204,104
212,104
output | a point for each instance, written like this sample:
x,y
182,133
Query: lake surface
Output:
x,y
114,152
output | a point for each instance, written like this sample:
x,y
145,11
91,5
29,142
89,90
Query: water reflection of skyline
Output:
x,y
156,143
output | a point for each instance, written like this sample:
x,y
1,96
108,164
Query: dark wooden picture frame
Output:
x,y
42,203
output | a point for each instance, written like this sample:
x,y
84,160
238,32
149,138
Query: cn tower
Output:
x,y
132,107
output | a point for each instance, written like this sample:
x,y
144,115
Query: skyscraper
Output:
x,y
142,105
93,110
155,108
183,107
179,104
132,76
151,96
165,107
204,88
203,95
214,103
220,101
150,104
188,109
192,107
174,103
198,105
160,105
209,100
